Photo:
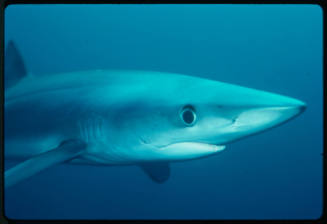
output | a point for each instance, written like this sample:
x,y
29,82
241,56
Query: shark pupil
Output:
x,y
188,116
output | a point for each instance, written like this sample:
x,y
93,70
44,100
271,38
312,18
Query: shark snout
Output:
x,y
259,118
300,107
294,109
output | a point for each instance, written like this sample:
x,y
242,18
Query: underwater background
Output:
x,y
276,174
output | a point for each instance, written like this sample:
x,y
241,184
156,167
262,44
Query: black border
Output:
x,y
5,3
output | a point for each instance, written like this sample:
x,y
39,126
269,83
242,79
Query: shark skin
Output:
x,y
142,118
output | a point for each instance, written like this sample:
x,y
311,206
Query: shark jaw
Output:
x,y
190,150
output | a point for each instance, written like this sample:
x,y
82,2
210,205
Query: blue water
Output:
x,y
273,175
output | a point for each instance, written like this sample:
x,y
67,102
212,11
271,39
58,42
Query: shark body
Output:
x,y
144,118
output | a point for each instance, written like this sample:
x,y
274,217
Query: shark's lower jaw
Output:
x,y
189,150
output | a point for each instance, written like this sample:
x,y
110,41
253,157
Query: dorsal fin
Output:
x,y
15,68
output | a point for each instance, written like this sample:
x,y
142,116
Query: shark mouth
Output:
x,y
190,150
196,145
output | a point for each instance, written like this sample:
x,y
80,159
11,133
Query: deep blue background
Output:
x,y
274,175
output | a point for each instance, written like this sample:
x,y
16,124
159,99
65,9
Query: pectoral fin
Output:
x,y
158,172
67,150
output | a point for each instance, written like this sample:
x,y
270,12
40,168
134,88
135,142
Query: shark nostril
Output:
x,y
143,141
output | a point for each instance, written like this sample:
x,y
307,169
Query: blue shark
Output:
x,y
113,117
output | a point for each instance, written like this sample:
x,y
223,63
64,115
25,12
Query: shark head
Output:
x,y
176,117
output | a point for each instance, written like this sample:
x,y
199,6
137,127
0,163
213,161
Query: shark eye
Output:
x,y
188,115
